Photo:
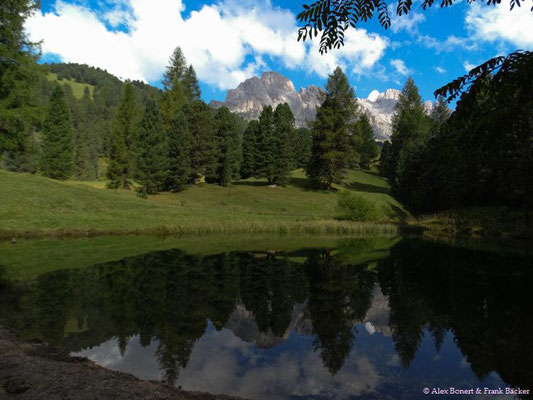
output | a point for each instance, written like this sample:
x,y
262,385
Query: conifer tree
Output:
x,y
179,154
330,148
385,159
190,85
410,127
301,147
19,76
338,87
439,114
152,155
366,144
250,150
283,134
202,129
85,150
227,140
122,155
175,92
57,157
175,70
265,145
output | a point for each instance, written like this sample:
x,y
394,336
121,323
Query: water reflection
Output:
x,y
343,322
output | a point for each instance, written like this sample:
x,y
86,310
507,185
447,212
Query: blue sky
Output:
x,y
228,41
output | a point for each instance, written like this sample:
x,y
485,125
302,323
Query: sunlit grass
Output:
x,y
36,206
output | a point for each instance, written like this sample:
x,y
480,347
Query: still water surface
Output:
x,y
352,321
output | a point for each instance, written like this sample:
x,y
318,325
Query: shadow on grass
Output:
x,y
370,172
249,183
364,187
302,183
399,213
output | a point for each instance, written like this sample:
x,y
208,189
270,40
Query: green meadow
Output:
x,y
77,88
34,206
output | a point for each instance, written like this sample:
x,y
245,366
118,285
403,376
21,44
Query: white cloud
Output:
x,y
361,51
400,67
499,23
440,70
451,43
408,23
226,42
468,66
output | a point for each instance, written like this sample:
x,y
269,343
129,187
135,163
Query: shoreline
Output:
x,y
35,370
329,227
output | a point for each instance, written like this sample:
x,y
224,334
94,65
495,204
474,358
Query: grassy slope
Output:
x,y
77,88
36,204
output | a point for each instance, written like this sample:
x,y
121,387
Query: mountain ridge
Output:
x,y
251,95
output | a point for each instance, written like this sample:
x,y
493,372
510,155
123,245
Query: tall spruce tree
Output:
x,y
265,167
190,85
440,113
57,157
175,92
338,87
385,159
301,147
330,147
366,144
202,129
152,155
122,155
410,128
179,154
175,70
250,150
227,140
85,149
283,134
20,111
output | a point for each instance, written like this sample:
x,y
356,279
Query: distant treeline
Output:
x,y
131,132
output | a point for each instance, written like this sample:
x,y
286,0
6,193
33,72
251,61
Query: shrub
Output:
x,y
355,208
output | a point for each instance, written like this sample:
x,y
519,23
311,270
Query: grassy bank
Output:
x,y
488,223
33,206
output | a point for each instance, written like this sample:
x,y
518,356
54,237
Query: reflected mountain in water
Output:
x,y
340,322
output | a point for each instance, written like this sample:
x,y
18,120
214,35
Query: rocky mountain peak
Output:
x,y
249,98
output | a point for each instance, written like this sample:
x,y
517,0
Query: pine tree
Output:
x,y
283,134
439,114
57,157
122,156
366,144
202,128
227,139
179,154
250,150
301,147
19,75
410,127
175,70
330,147
152,155
85,150
385,159
265,145
190,85
338,87
176,93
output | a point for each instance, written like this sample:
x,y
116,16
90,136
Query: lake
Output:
x,y
366,318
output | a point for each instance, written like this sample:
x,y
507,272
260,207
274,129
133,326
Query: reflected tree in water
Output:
x,y
339,297
166,299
